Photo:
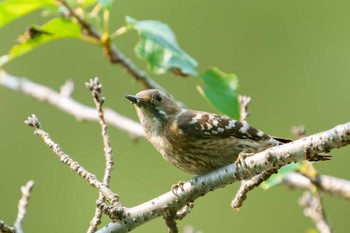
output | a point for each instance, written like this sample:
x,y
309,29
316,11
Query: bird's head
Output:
x,y
154,108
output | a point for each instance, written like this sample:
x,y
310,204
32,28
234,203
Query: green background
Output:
x,y
291,57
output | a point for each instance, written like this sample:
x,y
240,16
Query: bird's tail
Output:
x,y
282,140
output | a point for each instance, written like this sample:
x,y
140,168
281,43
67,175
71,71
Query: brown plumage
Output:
x,y
194,141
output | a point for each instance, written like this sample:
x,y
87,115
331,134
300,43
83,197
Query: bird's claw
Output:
x,y
240,159
242,156
175,187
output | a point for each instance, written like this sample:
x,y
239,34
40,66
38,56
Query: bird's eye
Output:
x,y
158,97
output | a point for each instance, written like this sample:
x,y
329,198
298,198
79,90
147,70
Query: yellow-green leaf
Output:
x,y
57,28
13,9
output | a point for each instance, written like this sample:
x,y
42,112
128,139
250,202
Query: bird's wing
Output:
x,y
208,125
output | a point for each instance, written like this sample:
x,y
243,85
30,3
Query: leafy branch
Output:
x,y
157,46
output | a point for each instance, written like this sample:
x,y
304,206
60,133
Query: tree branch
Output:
x,y
313,208
328,184
112,52
4,228
248,185
22,205
244,102
306,148
113,198
96,88
67,104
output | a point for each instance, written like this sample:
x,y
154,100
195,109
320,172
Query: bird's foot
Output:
x,y
177,186
240,160
243,155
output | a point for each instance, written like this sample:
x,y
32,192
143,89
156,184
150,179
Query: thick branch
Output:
x,y
303,149
68,104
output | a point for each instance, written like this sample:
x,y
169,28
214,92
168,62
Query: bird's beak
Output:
x,y
133,99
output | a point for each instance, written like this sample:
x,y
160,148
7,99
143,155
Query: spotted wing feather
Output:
x,y
207,125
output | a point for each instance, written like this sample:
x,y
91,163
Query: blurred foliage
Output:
x,y
12,9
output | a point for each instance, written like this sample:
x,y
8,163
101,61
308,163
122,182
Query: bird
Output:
x,y
196,142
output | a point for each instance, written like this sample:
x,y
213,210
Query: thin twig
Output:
x,y
328,184
85,25
66,103
184,211
313,208
112,52
299,131
248,185
96,88
108,210
244,102
113,198
4,228
22,205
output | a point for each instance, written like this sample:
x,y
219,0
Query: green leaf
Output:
x,y
159,48
57,28
221,91
13,9
276,179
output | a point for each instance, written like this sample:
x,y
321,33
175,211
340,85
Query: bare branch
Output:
x,y
169,217
248,185
4,228
108,210
328,184
22,205
96,88
75,166
184,211
313,208
299,131
67,88
65,103
311,200
244,102
306,148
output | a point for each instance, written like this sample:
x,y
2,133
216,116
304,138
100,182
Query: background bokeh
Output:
x,y
291,57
